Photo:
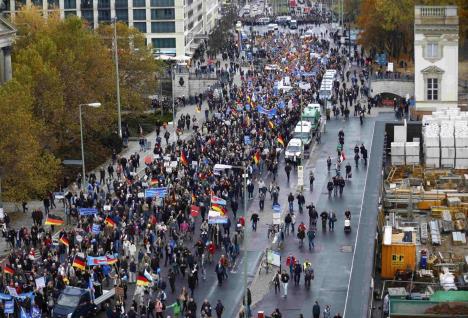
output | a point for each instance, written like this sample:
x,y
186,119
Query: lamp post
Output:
x,y
117,80
173,94
94,105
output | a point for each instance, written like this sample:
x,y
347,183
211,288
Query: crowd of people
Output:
x,y
151,220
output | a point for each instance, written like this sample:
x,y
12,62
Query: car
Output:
x,y
264,20
272,27
294,150
293,24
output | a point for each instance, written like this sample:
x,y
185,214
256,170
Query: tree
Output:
x,y
137,67
58,65
27,168
388,26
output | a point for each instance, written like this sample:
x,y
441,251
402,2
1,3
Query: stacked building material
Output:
x,y
447,144
431,145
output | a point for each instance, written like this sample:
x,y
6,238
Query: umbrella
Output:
x,y
148,160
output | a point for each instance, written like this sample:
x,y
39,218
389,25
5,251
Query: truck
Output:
x,y
75,302
304,132
312,114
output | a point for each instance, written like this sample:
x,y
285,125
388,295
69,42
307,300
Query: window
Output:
x,y
69,4
162,27
432,89
103,4
121,14
139,3
432,50
200,16
121,3
162,14
162,3
70,13
34,2
199,7
190,13
86,4
168,43
190,26
139,14
87,15
141,26
103,15
53,4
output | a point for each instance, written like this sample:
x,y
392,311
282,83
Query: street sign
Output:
x,y
300,175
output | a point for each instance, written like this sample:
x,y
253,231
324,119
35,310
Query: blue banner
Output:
x,y
87,211
281,104
277,208
9,307
247,140
269,112
155,193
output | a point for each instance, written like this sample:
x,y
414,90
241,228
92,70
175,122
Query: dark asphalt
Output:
x,y
333,254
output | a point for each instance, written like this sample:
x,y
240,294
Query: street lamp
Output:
x,y
94,105
117,80
173,93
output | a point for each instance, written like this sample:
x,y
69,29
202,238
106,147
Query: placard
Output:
x,y
300,175
9,307
40,282
141,195
107,208
274,258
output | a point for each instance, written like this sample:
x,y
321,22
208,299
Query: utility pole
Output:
x,y
117,79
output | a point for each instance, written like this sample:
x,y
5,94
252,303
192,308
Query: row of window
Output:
x,y
71,4
156,14
156,27
168,43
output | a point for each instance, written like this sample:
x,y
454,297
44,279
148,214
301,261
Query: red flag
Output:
x,y
343,158
194,210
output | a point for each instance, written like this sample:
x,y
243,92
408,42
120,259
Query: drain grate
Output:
x,y
346,248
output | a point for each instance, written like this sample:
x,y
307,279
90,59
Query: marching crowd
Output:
x,y
154,229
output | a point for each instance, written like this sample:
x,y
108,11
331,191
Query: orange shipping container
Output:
x,y
397,256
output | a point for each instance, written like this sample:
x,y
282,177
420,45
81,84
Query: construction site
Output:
x,y
421,258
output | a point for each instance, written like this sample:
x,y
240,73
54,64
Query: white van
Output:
x,y
264,21
294,150
272,27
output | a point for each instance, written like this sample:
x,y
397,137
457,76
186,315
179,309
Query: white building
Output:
x,y
172,27
7,35
435,57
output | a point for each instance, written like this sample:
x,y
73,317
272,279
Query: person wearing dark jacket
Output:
x,y
219,309
316,310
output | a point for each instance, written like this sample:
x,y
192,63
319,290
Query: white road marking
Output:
x,y
359,224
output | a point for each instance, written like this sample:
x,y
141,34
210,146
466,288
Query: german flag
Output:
x,y
183,158
271,124
153,181
142,281
219,208
64,241
9,270
111,260
256,157
53,220
109,221
280,140
79,263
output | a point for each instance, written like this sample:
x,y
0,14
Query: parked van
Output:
x,y
313,115
264,21
272,27
294,151
293,24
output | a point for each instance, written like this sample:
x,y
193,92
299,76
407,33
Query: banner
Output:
x,y
269,112
87,211
156,193
101,260
194,210
215,217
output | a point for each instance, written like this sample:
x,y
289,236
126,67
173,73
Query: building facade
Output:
x,y
172,27
7,35
436,57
